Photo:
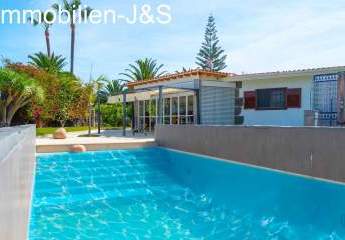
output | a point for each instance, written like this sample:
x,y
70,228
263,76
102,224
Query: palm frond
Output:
x,y
53,63
143,69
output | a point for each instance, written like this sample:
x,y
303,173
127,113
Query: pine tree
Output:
x,y
211,56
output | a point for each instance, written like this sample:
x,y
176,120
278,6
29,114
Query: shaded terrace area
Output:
x,y
189,97
151,106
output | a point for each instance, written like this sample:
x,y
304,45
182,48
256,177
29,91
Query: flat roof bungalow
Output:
x,y
192,97
290,98
287,98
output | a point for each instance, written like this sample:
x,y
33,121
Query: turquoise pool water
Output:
x,y
156,193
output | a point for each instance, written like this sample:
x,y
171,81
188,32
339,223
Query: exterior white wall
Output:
x,y
288,117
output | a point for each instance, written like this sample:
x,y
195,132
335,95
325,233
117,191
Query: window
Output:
x,y
271,99
153,108
153,113
167,111
183,109
183,105
174,110
141,114
190,105
190,110
141,108
147,108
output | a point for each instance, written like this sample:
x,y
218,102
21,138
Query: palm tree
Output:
x,y
143,69
72,7
110,88
50,64
45,21
17,90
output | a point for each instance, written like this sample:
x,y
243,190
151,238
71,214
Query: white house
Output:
x,y
191,97
286,98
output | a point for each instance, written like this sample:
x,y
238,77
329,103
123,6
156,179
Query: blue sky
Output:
x,y
258,35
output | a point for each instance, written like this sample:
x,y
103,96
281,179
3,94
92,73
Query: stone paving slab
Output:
x,y
107,140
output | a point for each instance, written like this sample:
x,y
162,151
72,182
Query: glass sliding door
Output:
x,y
141,115
167,110
147,115
153,114
190,109
174,110
182,110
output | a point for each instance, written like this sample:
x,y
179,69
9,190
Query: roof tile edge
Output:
x,y
237,77
296,71
169,77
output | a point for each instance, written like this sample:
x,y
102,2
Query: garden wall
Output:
x,y
317,152
17,163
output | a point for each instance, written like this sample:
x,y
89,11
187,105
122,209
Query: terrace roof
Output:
x,y
191,73
238,77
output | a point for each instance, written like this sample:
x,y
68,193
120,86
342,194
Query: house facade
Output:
x,y
192,97
290,98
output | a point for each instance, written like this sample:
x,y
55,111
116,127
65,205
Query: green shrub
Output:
x,y
111,114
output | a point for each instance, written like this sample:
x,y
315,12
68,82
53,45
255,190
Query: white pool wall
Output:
x,y
17,164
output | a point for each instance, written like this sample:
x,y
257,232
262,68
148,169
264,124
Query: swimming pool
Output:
x,y
156,193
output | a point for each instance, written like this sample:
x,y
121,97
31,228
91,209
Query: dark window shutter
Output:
x,y
294,97
249,100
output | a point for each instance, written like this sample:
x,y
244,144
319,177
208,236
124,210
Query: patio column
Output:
x,y
160,105
124,115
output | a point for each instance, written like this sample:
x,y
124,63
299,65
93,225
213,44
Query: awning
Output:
x,y
139,96
130,97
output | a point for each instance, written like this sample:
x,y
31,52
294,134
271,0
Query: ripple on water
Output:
x,y
105,196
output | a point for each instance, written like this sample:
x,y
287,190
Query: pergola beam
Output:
x,y
146,89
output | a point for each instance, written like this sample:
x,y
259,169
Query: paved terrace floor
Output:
x,y
108,139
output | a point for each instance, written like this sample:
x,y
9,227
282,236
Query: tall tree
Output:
x,y
66,97
110,88
17,90
51,64
211,56
73,7
69,88
143,69
44,20
79,110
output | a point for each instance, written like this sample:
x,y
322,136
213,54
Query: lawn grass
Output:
x,y
46,131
